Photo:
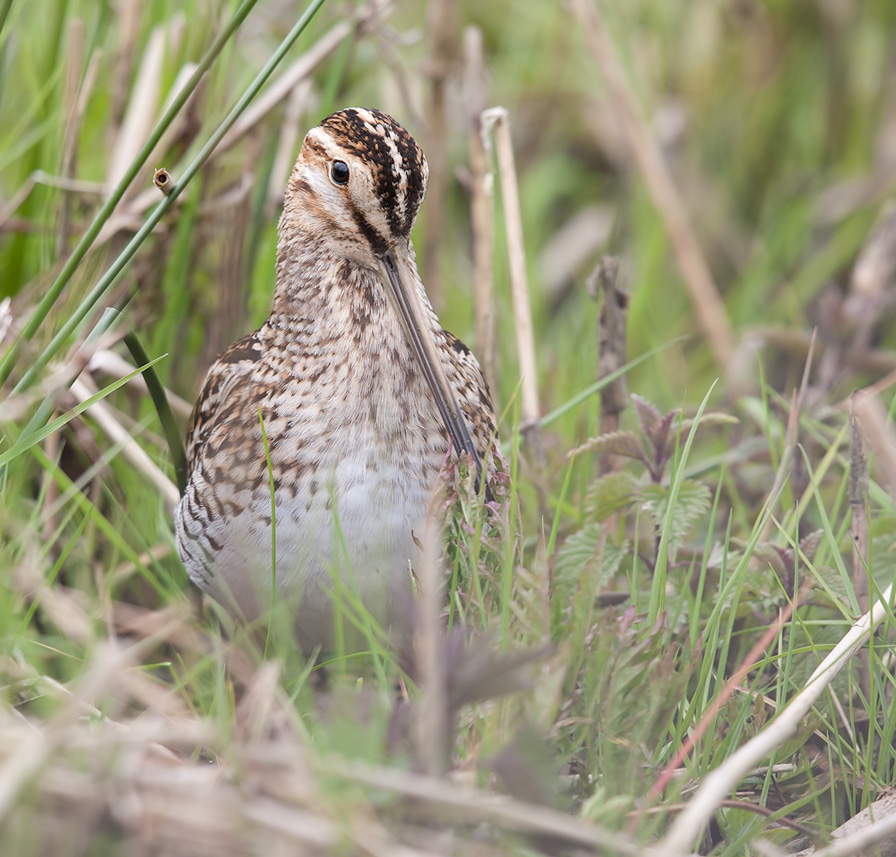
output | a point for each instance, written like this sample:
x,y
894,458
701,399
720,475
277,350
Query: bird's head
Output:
x,y
357,184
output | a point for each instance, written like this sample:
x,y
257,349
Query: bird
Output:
x,y
316,442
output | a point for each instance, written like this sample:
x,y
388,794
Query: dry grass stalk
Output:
x,y
482,208
71,124
530,411
430,723
872,417
69,185
58,604
18,406
720,782
474,806
229,231
873,277
442,36
113,365
570,249
128,568
871,831
50,486
499,120
132,451
141,110
184,127
795,344
128,14
84,93
129,620
710,309
404,79
287,143
281,88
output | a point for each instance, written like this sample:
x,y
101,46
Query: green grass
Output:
x,y
606,626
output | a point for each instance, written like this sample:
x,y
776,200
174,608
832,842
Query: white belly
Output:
x,y
343,539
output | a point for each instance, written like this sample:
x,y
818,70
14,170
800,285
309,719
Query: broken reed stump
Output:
x,y
611,331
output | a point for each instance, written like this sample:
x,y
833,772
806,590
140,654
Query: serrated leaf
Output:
x,y
648,414
770,555
582,548
625,443
610,493
693,501
659,435
810,543
883,548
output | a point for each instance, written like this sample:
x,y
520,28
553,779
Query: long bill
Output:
x,y
400,279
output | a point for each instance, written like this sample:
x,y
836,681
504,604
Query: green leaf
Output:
x,y
648,413
610,493
163,409
693,501
583,548
625,443
769,555
25,443
713,418
809,544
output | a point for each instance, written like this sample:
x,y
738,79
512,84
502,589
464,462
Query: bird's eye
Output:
x,y
339,172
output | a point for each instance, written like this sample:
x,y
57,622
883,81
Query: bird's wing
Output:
x,y
474,397
231,369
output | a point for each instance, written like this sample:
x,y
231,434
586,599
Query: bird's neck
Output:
x,y
341,295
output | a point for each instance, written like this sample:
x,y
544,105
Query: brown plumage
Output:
x,y
359,391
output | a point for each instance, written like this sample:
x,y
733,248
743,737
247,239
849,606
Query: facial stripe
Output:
x,y
378,243
396,165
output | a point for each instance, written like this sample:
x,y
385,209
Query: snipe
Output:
x,y
353,385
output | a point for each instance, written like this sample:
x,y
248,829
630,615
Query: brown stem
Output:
x,y
710,309
611,336
482,209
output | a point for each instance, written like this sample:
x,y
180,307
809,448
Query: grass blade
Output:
x,y
49,299
163,409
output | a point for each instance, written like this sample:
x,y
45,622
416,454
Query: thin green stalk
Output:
x,y
580,397
657,593
5,6
68,270
163,409
29,439
555,524
509,546
48,405
108,279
